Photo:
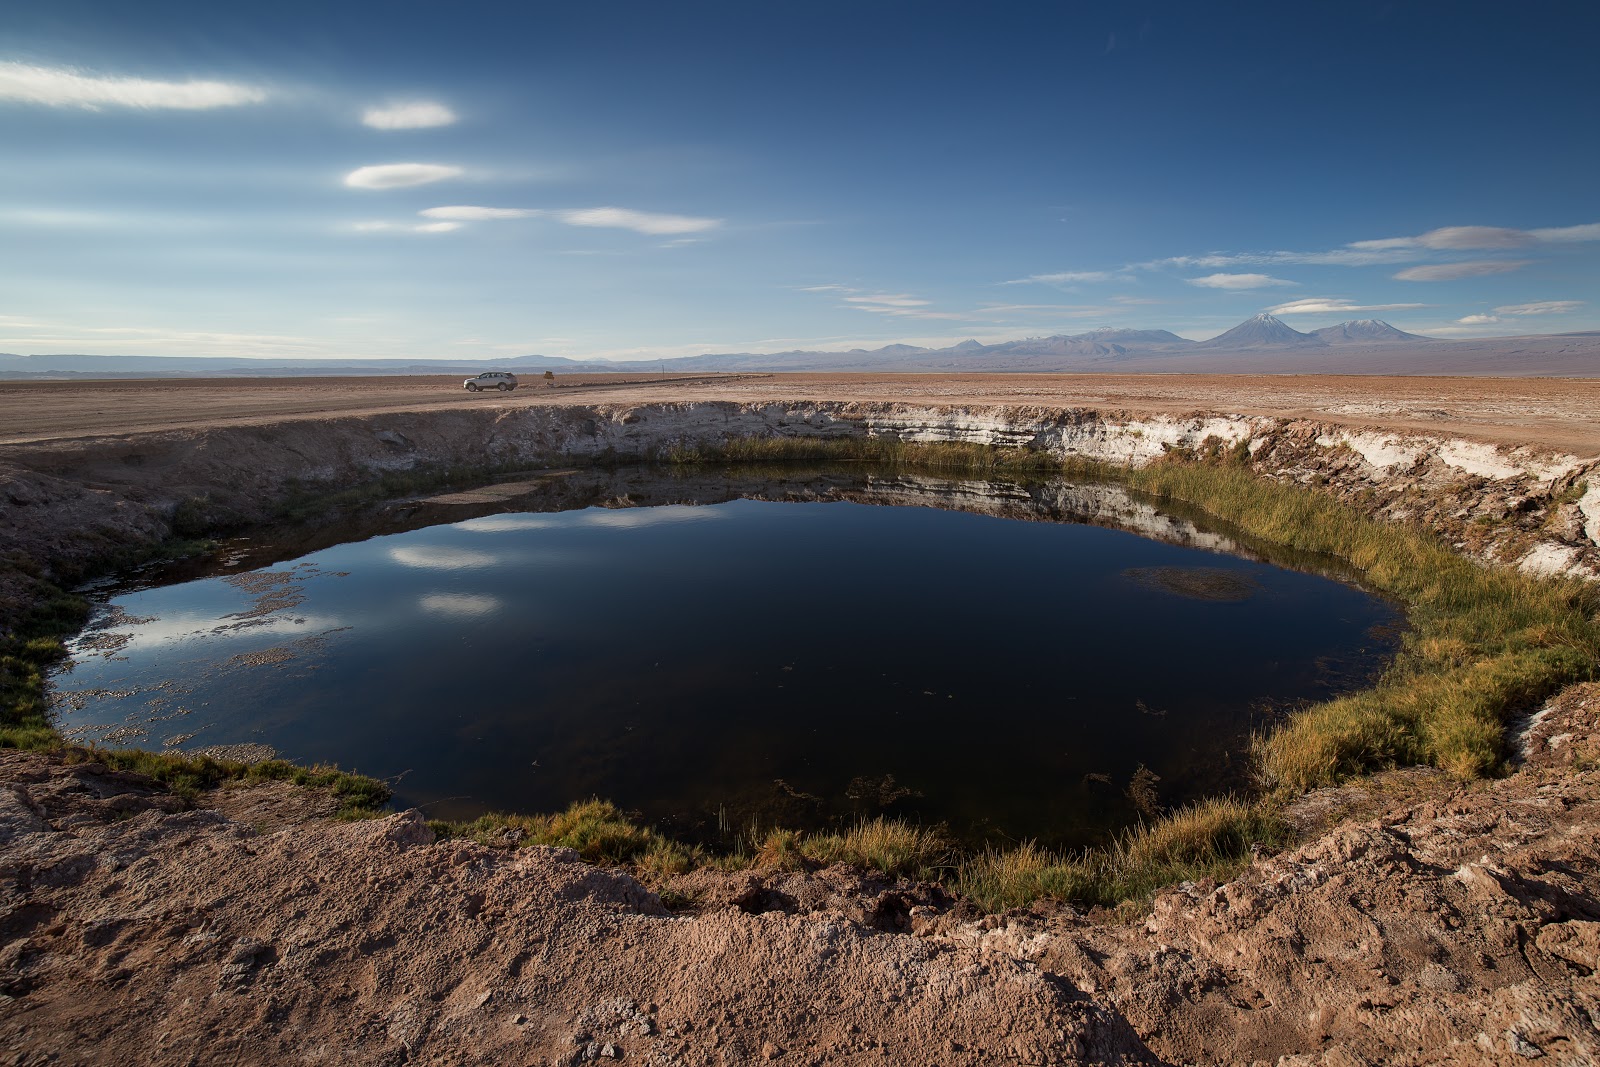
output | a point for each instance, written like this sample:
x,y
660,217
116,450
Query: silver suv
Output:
x,y
504,381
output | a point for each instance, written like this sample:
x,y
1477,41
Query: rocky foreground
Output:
x,y
1422,924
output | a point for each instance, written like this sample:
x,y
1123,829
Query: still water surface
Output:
x,y
798,661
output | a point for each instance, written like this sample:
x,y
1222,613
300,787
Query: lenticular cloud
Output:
x,y
399,175
60,87
416,115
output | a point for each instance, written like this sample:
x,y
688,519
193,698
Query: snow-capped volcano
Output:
x,y
1263,331
1364,331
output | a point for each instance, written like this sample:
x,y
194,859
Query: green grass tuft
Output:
x,y
1212,839
889,846
595,829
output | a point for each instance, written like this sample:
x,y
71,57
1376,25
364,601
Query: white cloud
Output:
x,y
1056,310
1474,237
1237,281
399,175
1542,307
414,115
1338,257
75,338
61,87
1459,238
1068,277
1477,320
381,226
1384,244
639,221
899,305
1449,272
954,316
464,213
899,300
1562,234
1334,306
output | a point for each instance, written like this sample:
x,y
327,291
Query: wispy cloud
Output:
x,y
466,213
384,226
1334,306
1449,272
1066,277
411,115
400,175
64,87
1390,251
1455,238
899,300
638,221
1483,238
1065,309
1238,281
1478,320
166,341
1563,234
1336,257
1541,307
897,305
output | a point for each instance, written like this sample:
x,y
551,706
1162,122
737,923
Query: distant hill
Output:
x,y
1263,331
1365,332
1260,345
1137,337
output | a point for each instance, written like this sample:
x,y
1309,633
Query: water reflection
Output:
x,y
466,605
803,647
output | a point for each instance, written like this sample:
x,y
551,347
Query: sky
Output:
x,y
645,180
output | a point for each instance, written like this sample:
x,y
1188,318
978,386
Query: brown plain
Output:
x,y
1548,413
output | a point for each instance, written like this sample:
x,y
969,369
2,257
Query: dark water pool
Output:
x,y
799,660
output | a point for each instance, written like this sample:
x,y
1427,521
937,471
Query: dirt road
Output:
x,y
1545,412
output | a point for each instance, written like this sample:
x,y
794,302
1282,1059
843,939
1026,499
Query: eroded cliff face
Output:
x,y
68,502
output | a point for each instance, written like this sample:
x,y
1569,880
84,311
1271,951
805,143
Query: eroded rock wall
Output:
x,y
69,502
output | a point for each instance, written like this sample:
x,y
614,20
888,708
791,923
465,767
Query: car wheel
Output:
x,y
504,388
471,388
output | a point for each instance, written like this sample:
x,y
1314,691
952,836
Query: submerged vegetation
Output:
x,y
1482,645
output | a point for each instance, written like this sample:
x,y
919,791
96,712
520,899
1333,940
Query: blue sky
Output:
x,y
643,179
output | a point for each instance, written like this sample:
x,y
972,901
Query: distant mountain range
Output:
x,y
1263,344
1365,331
1268,331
